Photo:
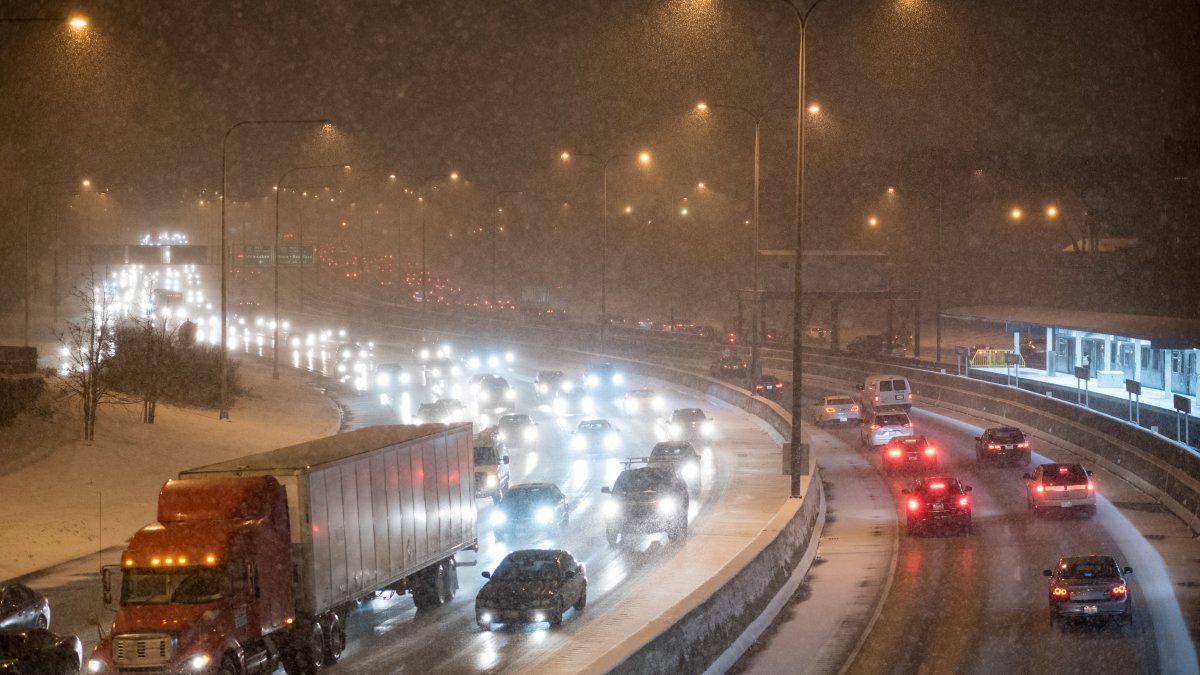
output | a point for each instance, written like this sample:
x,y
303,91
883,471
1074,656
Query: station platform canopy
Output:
x,y
1161,332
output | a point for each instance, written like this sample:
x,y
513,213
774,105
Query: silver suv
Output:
x,y
883,427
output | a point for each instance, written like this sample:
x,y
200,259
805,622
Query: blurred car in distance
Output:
x,y
23,607
679,456
837,409
1002,444
518,430
1061,488
646,499
729,368
689,424
530,508
769,387
642,401
1089,587
937,503
595,434
532,586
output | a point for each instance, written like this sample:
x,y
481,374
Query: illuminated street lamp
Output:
x,y
1015,214
422,181
224,404
279,187
644,158
757,115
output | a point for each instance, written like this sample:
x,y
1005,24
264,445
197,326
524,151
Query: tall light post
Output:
x,y
224,411
495,226
757,115
279,186
644,158
799,451
422,181
682,211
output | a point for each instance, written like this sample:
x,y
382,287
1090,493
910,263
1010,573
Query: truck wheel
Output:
x,y
306,652
429,593
335,639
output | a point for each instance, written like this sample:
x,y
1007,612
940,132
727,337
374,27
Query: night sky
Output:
x,y
496,90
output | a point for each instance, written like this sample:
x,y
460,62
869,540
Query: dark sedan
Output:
x,y
23,607
532,586
530,508
769,387
937,503
1089,587
1003,444
36,651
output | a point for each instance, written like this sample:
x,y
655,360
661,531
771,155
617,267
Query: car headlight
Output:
x,y
491,481
542,389
381,380
539,617
455,371
384,399
510,394
341,368
499,517
509,357
631,405
493,362
502,435
618,378
568,386
404,378
473,362
95,666
706,428
690,471
675,429
486,617
545,515
666,506
611,508
199,661
531,434
560,406
591,380
579,443
657,403
483,395
424,354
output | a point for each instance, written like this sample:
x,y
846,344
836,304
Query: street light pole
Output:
x,y
798,449
224,402
495,226
275,258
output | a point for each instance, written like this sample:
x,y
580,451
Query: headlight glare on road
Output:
x,y
545,515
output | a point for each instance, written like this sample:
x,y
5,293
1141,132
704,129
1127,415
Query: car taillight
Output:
x,y
993,446
853,408
930,451
1039,487
1118,591
913,505
874,426
875,399
1090,487
937,486
910,395
829,410
1060,592
893,452
758,387
1023,445
908,425
962,501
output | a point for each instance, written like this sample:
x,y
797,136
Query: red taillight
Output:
x,y
853,408
1118,591
1040,488
829,410
875,398
913,505
893,452
910,395
1059,592
908,425
937,486
1023,445
874,426
1062,470
962,501
758,387
993,446
930,451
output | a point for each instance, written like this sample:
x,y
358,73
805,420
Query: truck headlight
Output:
x,y
199,661
666,506
499,517
545,515
95,666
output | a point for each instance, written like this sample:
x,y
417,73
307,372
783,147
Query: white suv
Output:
x,y
883,427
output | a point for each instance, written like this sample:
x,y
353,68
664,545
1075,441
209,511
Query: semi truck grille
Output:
x,y
144,649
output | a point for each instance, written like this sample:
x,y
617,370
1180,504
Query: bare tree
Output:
x,y
89,344
143,360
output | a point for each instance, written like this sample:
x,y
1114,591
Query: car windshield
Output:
x,y
526,567
640,480
485,455
186,585
1007,436
669,450
514,420
1064,474
594,426
688,415
839,400
1089,568
895,420
519,499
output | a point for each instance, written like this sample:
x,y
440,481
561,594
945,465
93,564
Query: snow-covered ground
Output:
x,y
61,497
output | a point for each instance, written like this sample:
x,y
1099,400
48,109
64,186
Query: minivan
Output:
x,y
885,392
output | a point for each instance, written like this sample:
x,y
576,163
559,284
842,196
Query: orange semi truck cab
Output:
x,y
255,562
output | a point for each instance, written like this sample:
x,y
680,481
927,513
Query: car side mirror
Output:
x,y
1045,573
570,574
1127,570
606,490
966,488
486,575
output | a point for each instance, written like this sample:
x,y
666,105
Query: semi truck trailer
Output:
x,y
255,562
